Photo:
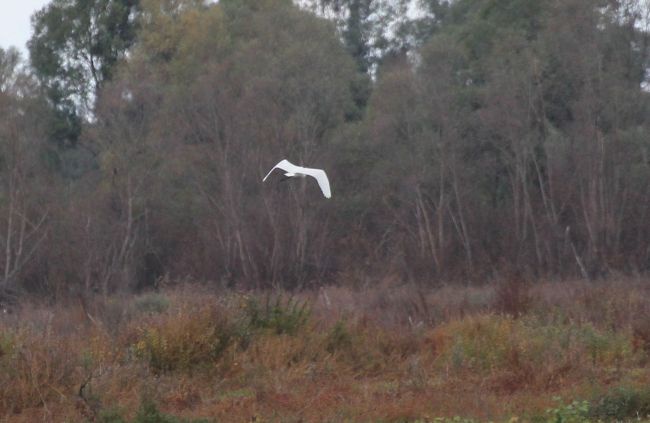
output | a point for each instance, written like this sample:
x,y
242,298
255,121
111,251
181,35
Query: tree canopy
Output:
x,y
74,49
468,139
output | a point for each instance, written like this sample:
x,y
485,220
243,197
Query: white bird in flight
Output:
x,y
302,172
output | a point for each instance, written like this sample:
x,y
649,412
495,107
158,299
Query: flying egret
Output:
x,y
292,170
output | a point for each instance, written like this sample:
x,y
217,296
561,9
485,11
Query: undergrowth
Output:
x,y
279,358
278,315
147,413
184,342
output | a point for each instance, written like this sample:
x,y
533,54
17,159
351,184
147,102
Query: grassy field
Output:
x,y
560,352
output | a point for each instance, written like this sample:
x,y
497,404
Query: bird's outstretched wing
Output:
x,y
318,174
285,165
321,178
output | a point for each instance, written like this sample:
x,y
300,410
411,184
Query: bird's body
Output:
x,y
291,170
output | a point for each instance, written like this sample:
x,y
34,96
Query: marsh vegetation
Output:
x,y
484,254
393,353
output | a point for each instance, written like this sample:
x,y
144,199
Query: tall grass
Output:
x,y
395,353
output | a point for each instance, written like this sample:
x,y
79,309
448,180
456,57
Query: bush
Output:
x,y
34,368
185,342
338,338
576,412
277,316
152,303
110,416
7,345
479,343
147,413
529,348
622,403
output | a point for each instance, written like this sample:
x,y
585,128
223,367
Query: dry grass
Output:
x,y
393,353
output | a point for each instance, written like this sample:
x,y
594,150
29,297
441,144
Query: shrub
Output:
x,y
276,315
110,415
152,303
575,412
147,413
605,347
480,342
338,338
34,368
7,345
622,403
184,342
529,348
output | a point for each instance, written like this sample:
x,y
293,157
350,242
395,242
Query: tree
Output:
x,y
375,29
23,217
506,142
209,95
74,49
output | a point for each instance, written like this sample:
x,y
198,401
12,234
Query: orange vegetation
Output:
x,y
394,353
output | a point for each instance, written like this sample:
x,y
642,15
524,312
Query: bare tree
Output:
x,y
24,222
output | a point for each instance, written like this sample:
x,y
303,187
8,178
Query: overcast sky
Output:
x,y
15,27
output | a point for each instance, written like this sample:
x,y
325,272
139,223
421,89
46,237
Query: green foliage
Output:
x,y
110,415
609,347
175,34
147,413
81,41
74,49
238,393
372,29
483,343
575,412
338,338
491,342
622,403
9,61
7,346
152,303
277,315
185,343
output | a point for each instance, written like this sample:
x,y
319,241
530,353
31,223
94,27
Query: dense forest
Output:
x,y
463,139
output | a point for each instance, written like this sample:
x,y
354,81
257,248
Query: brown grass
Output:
x,y
394,353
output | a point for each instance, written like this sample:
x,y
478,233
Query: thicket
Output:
x,y
496,136
577,353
